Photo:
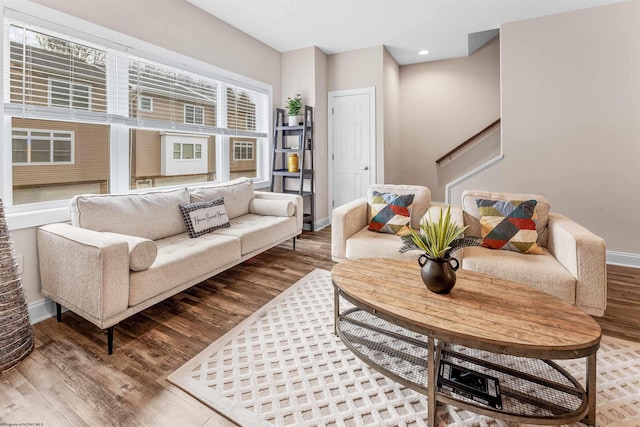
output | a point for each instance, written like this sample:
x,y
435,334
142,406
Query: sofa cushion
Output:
x,y
151,215
272,207
204,217
421,200
472,215
365,244
509,224
237,194
181,259
390,213
142,252
542,272
259,231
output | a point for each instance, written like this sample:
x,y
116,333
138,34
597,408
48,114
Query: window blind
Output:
x,y
184,101
54,77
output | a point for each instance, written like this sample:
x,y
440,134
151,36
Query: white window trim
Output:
x,y
24,216
71,87
52,139
148,98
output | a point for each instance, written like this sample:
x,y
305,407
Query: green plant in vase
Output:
x,y
294,106
437,240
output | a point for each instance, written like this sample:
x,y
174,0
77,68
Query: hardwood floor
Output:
x,y
622,316
70,380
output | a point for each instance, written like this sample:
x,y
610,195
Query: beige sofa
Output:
x,y
572,268
124,253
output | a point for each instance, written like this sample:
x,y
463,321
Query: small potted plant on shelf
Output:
x,y
294,105
437,239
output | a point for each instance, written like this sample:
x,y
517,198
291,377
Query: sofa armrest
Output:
x,y
346,220
85,271
583,254
295,198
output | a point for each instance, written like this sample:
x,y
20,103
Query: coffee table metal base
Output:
x,y
532,390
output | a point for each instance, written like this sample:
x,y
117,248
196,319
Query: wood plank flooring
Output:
x,y
69,380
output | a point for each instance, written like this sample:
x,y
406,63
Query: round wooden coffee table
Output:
x,y
495,329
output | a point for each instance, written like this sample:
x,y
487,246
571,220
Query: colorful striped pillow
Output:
x,y
510,225
391,213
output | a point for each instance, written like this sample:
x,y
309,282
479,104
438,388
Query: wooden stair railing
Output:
x,y
467,142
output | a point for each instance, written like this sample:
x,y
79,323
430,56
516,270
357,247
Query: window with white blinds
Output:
x,y
53,77
80,82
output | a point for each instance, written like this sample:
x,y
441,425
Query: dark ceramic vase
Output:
x,y
438,273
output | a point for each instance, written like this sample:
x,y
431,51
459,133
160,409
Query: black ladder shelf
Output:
x,y
298,140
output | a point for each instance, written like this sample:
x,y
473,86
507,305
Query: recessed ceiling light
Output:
x,y
423,52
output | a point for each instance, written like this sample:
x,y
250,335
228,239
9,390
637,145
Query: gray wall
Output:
x,y
443,103
571,118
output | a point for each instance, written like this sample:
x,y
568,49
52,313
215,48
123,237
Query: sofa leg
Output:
x,y
59,312
110,340
294,243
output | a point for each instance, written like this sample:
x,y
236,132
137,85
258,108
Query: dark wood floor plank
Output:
x,y
69,380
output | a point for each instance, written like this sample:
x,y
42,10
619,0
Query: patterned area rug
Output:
x,y
284,366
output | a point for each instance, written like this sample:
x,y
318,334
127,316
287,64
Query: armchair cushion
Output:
x,y
509,224
542,272
390,213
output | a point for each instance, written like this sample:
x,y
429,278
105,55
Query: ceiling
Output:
x,y
403,26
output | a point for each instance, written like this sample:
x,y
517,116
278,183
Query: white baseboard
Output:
x,y
322,223
41,310
623,258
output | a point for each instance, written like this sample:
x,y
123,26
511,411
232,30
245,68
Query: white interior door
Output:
x,y
352,141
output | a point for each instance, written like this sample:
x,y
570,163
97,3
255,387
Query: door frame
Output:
x,y
371,91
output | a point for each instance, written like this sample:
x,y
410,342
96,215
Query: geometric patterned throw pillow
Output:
x,y
391,213
204,217
510,225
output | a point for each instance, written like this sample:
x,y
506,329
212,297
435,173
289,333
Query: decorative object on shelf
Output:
x,y
294,105
16,340
293,163
437,240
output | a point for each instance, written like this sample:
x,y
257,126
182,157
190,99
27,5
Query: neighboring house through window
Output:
x,y
35,146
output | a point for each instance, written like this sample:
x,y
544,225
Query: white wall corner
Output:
x,y
624,259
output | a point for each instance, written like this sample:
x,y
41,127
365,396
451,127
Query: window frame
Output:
x,y
195,108
52,141
60,24
72,88
246,145
182,145
150,99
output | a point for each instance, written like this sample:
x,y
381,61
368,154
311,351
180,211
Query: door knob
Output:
x,y
365,168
